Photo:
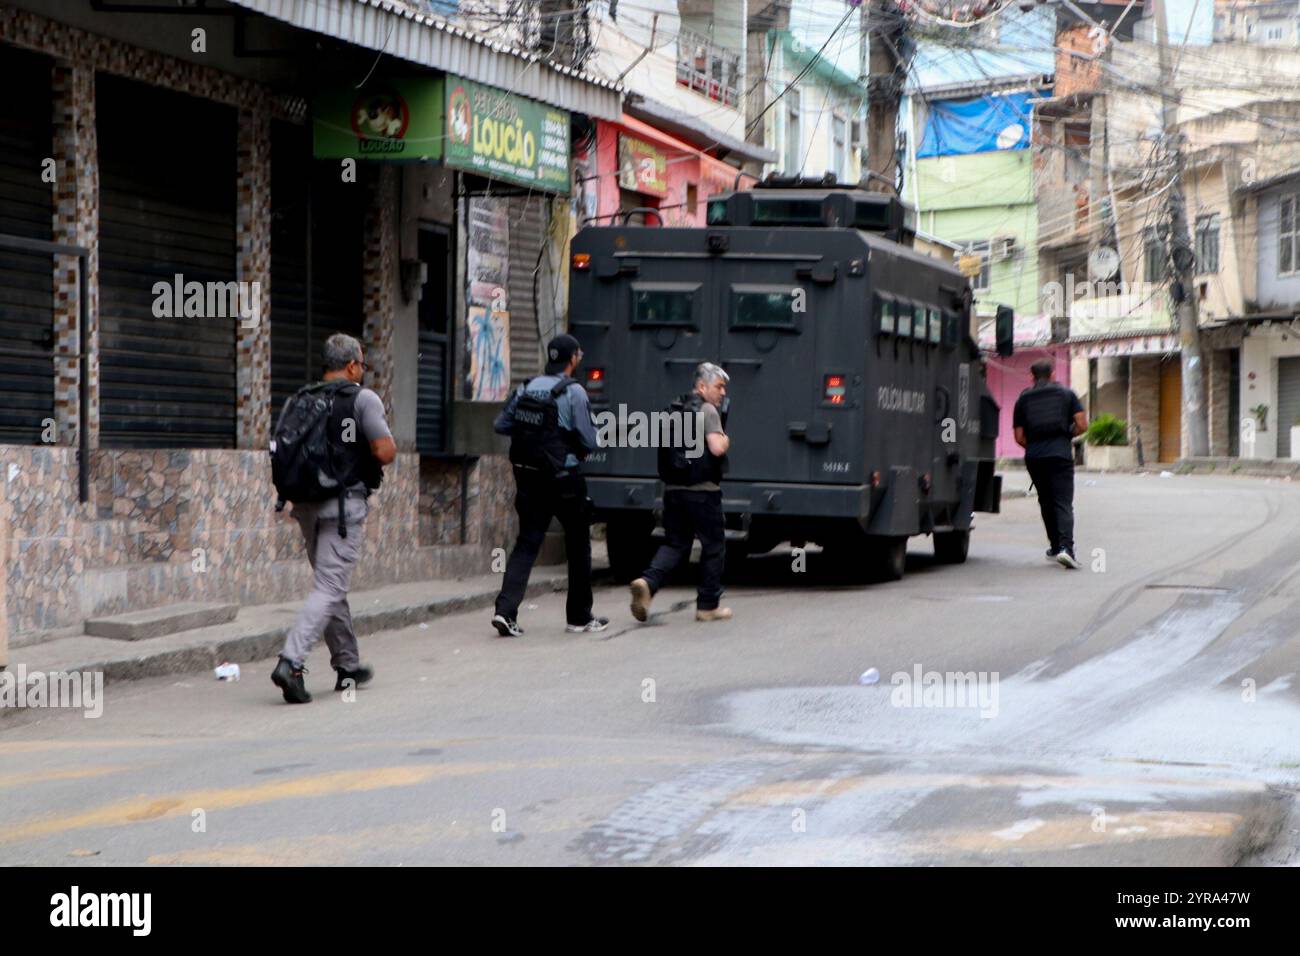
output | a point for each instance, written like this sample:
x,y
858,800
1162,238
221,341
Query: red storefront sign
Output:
x,y
641,167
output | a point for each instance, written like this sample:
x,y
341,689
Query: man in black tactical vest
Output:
x,y
549,423
693,500
1047,417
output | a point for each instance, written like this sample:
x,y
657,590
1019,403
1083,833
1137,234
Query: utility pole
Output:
x,y
1196,431
878,63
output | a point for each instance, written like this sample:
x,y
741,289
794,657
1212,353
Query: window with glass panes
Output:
x,y
1155,255
1288,235
1207,243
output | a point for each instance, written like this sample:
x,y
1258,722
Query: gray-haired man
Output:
x,y
693,503
332,529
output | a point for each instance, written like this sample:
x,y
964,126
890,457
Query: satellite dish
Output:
x,y
1010,135
1103,262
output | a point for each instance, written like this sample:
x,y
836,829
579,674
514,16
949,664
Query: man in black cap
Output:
x,y
549,423
1047,416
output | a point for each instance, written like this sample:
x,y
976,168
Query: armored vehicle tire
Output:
x,y
951,547
888,556
630,547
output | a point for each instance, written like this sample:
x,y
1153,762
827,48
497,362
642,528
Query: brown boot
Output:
x,y
641,598
717,614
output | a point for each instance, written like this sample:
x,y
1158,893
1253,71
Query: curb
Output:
x,y
266,643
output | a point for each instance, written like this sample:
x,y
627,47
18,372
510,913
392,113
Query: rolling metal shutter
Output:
x,y
1288,404
167,207
529,219
26,280
435,343
337,209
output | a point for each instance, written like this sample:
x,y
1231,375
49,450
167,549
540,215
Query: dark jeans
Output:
x,y
689,515
1054,479
538,498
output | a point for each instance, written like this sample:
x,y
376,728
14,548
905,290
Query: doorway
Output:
x,y
1171,408
432,401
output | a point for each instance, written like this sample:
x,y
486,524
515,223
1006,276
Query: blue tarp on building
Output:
x,y
979,125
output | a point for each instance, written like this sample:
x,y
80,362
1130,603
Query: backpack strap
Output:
x,y
562,386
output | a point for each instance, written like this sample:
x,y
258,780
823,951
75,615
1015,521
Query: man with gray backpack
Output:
x,y
327,456
549,423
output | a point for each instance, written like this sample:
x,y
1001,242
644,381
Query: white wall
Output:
x,y
1260,351
621,41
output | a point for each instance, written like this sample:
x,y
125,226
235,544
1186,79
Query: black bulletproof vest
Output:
x,y
1047,412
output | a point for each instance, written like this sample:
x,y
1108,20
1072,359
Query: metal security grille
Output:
x,y
529,220
26,280
167,208
304,191
1288,403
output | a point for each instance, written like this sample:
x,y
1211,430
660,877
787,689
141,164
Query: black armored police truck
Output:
x,y
859,414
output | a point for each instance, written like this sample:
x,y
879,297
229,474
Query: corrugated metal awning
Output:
x,y
399,31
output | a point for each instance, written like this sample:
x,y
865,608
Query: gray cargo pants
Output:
x,y
332,557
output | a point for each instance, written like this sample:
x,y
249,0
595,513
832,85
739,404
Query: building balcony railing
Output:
x,y
1127,310
708,69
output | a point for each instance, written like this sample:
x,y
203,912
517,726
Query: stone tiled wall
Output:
x,y
187,525
253,265
379,280
1144,402
490,517
76,222
1218,385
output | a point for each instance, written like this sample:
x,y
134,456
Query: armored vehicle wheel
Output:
x,y
951,547
888,556
630,547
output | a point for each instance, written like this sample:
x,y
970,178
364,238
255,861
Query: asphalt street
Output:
x,y
1143,710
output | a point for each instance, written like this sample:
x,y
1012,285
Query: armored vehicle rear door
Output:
x,y
768,318
670,326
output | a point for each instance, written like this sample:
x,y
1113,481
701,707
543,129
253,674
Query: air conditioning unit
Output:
x,y
1002,248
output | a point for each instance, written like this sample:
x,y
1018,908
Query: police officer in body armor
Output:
x,y
693,502
549,423
1047,416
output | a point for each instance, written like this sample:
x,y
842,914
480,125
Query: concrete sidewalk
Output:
x,y
259,631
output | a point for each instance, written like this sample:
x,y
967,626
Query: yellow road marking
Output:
x,y
784,791
146,808
44,776
323,849
1060,832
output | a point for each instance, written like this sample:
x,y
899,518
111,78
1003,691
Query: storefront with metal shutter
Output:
x,y
26,279
316,218
1288,404
514,155
167,210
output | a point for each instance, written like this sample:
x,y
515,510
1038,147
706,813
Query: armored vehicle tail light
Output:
x,y
595,379
834,389
582,261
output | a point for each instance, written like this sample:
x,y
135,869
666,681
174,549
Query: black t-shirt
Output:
x,y
1046,412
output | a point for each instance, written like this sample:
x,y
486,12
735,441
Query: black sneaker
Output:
x,y
507,627
1051,553
289,679
1066,559
595,625
360,676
